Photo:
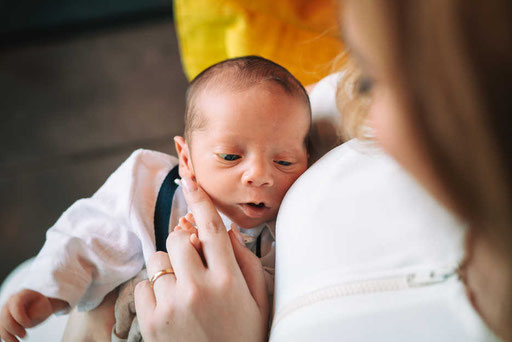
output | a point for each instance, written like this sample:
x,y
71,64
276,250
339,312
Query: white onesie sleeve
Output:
x,y
102,241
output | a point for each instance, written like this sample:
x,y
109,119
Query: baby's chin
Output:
x,y
249,223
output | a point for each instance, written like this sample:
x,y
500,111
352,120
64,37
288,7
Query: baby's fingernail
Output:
x,y
190,218
239,236
188,184
194,239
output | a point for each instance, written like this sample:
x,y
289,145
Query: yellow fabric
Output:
x,y
301,35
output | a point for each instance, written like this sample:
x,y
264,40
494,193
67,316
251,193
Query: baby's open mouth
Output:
x,y
257,205
255,209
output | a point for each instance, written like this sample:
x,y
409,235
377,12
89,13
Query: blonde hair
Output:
x,y
351,103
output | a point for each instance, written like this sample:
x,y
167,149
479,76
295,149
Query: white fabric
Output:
x,y
326,123
354,220
100,242
103,241
367,220
323,99
366,216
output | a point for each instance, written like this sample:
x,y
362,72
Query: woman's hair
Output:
x,y
352,103
452,60
455,58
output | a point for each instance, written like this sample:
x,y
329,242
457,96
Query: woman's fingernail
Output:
x,y
188,184
238,235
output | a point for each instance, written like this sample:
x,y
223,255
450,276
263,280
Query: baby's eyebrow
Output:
x,y
289,152
221,147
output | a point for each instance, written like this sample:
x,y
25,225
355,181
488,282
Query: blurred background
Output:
x,y
83,83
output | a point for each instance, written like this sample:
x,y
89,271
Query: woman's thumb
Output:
x,y
251,268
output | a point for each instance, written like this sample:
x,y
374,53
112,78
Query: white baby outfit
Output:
x,y
103,241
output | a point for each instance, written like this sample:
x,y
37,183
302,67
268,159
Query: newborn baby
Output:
x,y
247,122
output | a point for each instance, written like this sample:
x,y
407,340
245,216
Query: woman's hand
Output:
x,y
217,296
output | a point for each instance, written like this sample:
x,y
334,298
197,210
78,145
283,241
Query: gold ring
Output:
x,y
159,274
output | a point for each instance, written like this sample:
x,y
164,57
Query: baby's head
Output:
x,y
246,129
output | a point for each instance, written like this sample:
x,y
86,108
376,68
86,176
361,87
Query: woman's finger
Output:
x,y
212,232
163,283
145,302
186,262
251,268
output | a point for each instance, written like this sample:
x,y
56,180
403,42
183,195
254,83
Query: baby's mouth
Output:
x,y
257,205
254,209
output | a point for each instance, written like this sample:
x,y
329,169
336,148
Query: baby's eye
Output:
x,y
282,162
229,157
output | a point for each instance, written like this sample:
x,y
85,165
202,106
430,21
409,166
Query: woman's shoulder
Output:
x,y
356,221
343,166
356,211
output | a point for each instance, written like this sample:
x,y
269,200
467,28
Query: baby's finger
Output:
x,y
194,240
186,224
196,243
186,261
191,219
12,326
18,311
7,337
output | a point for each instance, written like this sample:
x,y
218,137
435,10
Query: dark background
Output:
x,y
82,85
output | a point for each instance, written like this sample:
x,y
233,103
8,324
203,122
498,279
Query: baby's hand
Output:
x,y
26,309
188,222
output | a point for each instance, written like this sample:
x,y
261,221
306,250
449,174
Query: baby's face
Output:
x,y
250,150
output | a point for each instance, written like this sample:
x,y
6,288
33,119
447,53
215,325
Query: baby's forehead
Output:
x,y
206,102
228,90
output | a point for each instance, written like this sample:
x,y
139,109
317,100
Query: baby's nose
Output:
x,y
258,173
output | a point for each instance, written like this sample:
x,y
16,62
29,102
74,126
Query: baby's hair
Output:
x,y
238,74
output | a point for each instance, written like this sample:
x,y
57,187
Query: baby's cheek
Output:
x,y
294,176
213,190
285,184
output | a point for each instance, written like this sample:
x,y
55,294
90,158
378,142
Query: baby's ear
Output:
x,y
185,169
